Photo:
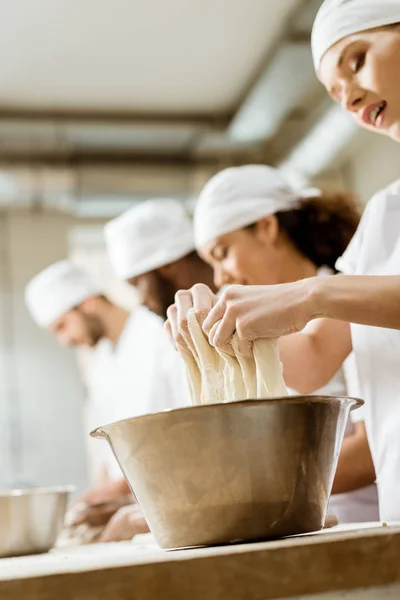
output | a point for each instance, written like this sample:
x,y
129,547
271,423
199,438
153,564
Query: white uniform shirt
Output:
x,y
361,505
375,250
140,374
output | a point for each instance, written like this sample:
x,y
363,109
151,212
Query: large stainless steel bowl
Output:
x,y
31,519
221,473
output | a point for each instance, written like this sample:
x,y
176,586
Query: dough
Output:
x,y
234,386
209,363
227,375
248,368
269,375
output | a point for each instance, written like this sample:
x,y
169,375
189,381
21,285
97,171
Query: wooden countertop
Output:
x,y
343,558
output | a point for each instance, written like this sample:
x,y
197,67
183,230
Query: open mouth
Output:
x,y
374,114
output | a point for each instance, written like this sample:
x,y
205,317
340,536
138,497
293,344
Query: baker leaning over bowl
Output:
x,y
151,246
252,228
356,49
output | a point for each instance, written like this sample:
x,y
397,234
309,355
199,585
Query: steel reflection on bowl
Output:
x,y
31,519
240,471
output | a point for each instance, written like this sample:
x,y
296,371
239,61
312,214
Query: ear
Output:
x,y
267,230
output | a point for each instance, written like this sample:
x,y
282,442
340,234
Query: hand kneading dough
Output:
x,y
227,376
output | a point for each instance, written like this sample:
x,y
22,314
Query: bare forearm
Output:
x,y
355,467
311,358
366,300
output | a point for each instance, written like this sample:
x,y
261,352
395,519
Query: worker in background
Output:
x,y
129,350
152,247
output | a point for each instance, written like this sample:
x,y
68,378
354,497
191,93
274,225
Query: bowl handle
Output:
x,y
98,433
357,403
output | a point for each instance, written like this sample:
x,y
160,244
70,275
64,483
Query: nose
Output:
x,y
351,98
221,277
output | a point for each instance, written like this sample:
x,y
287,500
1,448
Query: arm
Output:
x,y
275,311
367,300
355,467
311,358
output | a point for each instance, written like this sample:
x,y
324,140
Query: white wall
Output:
x,y
370,163
39,380
374,165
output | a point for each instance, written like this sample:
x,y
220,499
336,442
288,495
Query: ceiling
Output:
x,y
135,56
149,86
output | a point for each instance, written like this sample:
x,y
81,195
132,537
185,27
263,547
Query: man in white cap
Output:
x,y
152,247
64,300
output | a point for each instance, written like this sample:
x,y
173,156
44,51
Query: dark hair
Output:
x,y
321,227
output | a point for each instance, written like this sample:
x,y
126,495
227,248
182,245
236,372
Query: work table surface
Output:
x,y
340,559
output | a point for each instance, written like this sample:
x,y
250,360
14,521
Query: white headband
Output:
x,y
56,290
237,197
337,19
148,236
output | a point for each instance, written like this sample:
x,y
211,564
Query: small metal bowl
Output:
x,y
31,519
240,471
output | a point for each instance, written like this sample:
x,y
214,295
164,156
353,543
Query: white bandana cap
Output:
x,y
337,19
148,236
238,197
56,290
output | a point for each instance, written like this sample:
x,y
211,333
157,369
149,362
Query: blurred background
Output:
x,y
108,103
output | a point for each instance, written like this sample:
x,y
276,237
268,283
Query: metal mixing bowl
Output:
x,y
31,519
240,471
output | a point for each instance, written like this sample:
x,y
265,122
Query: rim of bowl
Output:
x,y
36,491
296,399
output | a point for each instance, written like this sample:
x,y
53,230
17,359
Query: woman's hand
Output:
x,y
260,312
199,297
97,515
124,525
108,491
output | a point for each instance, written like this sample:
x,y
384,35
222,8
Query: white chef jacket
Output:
x,y
359,506
375,250
140,374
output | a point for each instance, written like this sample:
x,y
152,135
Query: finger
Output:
x,y
172,320
95,517
203,301
184,305
179,339
110,534
243,347
140,526
172,323
169,331
215,315
226,349
183,302
224,331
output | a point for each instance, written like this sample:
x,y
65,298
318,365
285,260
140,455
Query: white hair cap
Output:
x,y
148,236
238,197
337,19
56,290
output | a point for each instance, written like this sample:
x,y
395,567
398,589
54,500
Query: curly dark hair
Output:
x,y
322,226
